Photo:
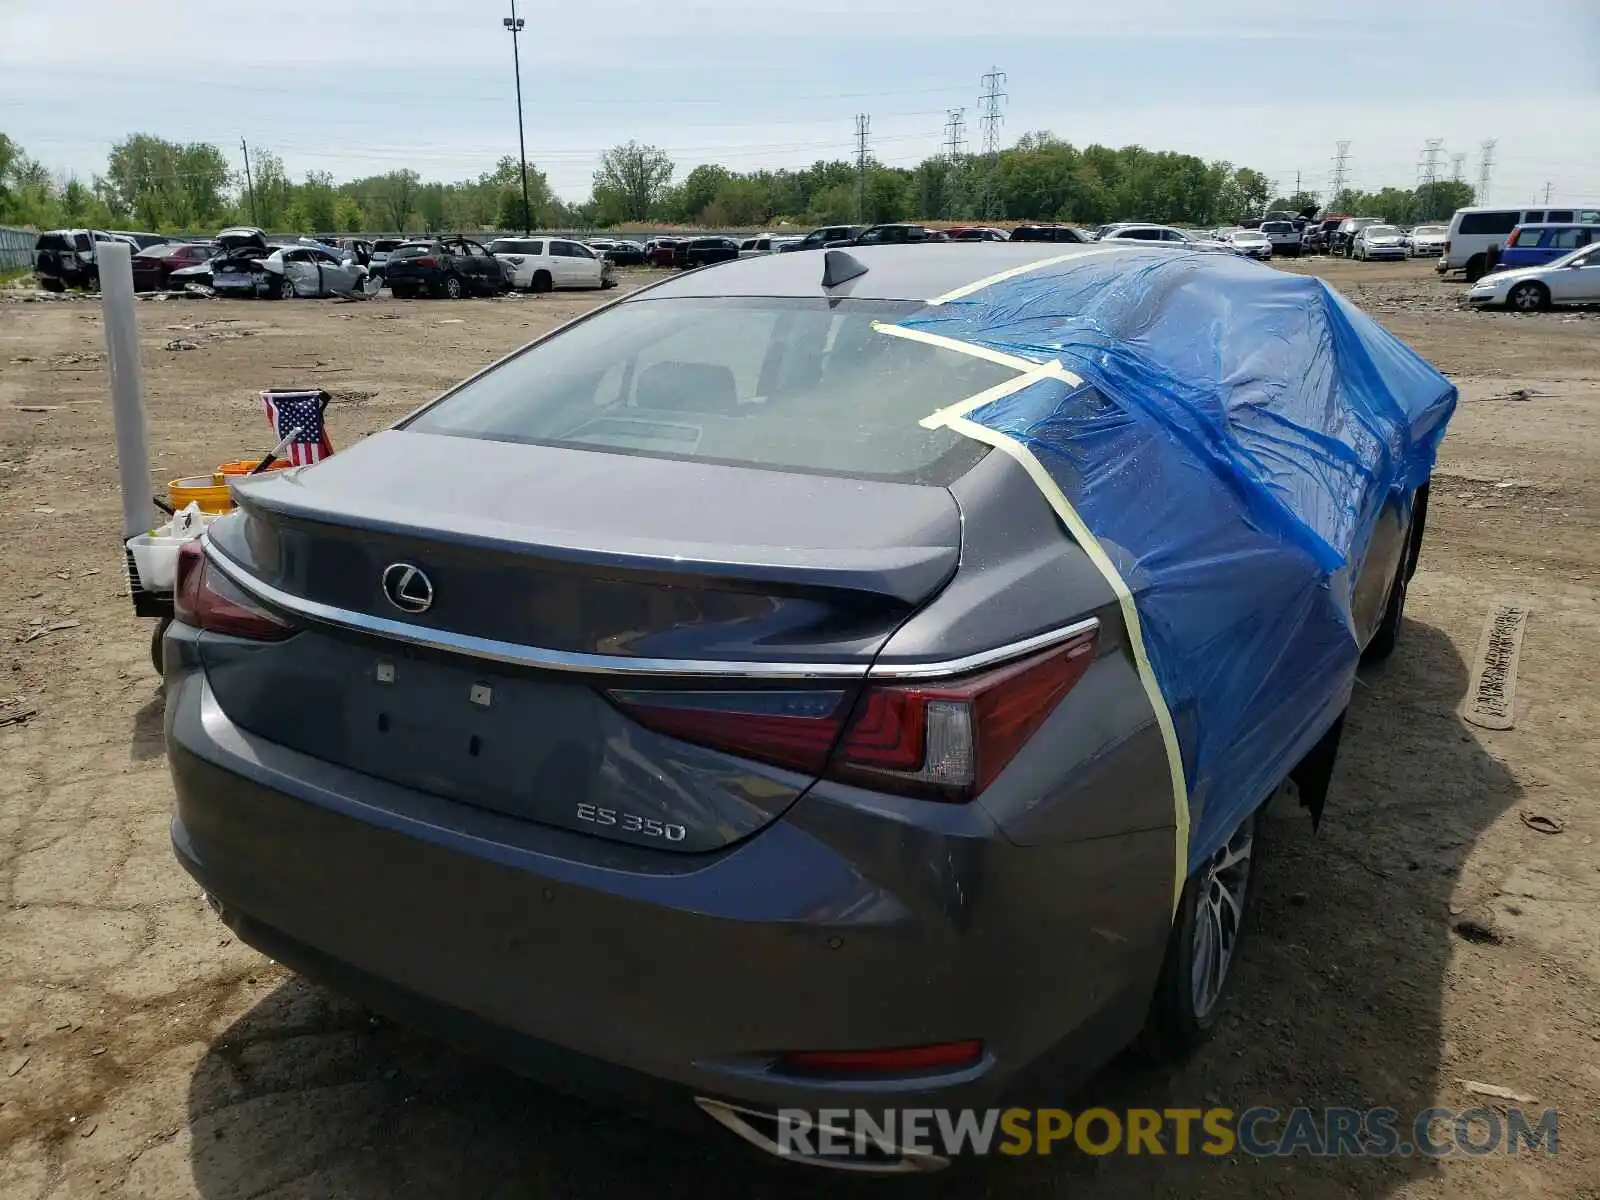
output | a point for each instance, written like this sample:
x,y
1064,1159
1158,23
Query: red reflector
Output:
x,y
205,599
884,1062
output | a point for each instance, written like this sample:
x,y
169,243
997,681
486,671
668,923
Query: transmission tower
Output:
x,y
955,133
1458,166
863,127
1428,164
990,118
989,114
1485,171
1341,172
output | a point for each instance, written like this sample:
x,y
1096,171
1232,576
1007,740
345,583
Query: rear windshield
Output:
x,y
413,250
794,384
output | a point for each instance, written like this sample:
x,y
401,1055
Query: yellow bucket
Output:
x,y
210,492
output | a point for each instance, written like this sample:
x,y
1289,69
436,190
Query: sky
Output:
x,y
358,87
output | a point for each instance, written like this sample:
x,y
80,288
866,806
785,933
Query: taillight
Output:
x,y
1512,240
429,261
944,740
206,599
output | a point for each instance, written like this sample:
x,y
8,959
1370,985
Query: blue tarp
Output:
x,y
1238,432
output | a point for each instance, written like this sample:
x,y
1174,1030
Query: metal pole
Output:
x,y
115,260
249,180
515,25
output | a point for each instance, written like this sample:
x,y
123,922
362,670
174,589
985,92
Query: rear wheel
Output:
x,y
52,285
1202,949
1528,297
157,658
1477,267
452,288
401,291
541,282
286,289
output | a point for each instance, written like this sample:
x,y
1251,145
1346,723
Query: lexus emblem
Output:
x,y
407,588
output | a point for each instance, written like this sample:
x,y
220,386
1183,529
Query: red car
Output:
x,y
665,252
154,266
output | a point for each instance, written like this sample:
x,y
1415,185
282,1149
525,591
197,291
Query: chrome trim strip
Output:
x,y
944,668
520,655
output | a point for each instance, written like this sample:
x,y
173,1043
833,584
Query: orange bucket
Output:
x,y
210,492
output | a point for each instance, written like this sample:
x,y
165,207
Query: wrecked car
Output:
x,y
287,272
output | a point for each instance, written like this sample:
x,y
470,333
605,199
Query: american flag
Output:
x,y
302,411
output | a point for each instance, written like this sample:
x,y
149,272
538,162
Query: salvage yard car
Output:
x,y
451,267
288,272
1373,242
153,267
1425,241
1572,279
728,696
1249,243
542,264
64,258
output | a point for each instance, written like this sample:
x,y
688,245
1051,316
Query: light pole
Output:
x,y
514,24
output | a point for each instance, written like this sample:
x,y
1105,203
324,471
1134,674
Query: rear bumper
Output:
x,y
624,977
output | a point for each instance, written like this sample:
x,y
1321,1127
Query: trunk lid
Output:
x,y
553,574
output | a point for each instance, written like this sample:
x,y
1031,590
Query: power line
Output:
x,y
1485,170
863,127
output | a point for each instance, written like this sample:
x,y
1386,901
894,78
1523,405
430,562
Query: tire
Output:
x,y
1387,636
401,291
285,290
157,658
1477,267
1528,297
1215,901
451,288
541,282
52,285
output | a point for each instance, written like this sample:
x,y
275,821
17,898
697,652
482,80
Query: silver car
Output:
x,y
1572,279
1378,241
1425,241
289,272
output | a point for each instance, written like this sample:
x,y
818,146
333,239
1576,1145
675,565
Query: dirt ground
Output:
x,y
1426,936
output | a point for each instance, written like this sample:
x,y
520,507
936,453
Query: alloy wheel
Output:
x,y
1219,913
1526,298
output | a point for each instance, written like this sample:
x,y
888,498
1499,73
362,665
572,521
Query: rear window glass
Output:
x,y
51,241
412,250
793,384
1488,222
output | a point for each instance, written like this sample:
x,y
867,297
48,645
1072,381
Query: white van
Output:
x,y
1475,231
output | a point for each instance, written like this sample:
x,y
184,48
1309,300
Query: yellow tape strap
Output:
x,y
1049,370
966,290
949,343
1130,616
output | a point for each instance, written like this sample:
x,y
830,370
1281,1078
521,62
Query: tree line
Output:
x,y
150,183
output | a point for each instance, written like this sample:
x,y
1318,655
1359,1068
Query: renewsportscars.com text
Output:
x,y
1258,1131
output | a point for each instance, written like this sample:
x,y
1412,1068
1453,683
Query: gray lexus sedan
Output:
x,y
667,713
